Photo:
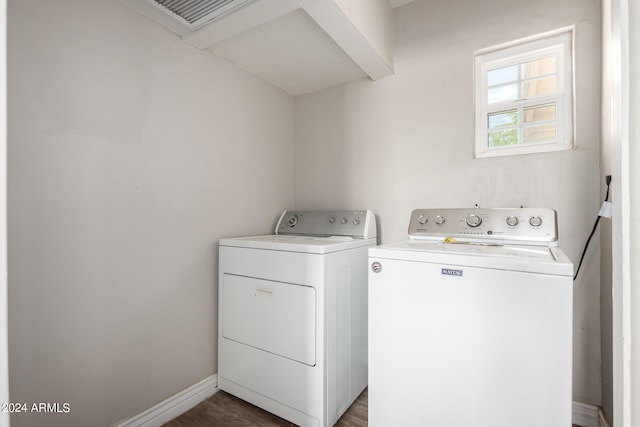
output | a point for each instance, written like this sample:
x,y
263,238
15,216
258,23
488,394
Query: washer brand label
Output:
x,y
451,272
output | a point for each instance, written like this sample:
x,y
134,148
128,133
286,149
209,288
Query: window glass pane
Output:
x,y
539,87
539,67
523,96
503,93
541,133
500,138
505,118
539,113
502,75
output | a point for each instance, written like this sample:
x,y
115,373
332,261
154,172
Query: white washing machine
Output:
x,y
292,335
470,322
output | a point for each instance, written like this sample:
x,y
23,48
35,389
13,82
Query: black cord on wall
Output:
x,y
595,226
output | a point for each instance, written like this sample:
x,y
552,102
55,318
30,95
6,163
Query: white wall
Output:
x,y
406,141
4,330
130,154
634,193
606,272
624,134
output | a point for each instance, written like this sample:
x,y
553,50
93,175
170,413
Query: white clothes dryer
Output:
x,y
292,335
470,322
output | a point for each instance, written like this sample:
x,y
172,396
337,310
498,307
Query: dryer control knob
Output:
x,y
292,221
439,219
512,221
356,222
422,219
344,220
535,221
474,220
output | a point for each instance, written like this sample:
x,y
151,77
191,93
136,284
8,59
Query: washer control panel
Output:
x,y
531,225
358,224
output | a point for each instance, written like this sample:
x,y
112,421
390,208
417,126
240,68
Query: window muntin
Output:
x,y
523,97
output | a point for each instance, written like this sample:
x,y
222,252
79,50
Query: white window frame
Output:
x,y
558,43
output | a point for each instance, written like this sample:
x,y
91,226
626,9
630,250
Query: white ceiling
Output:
x,y
301,46
308,62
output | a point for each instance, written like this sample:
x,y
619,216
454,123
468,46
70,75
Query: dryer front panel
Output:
x,y
272,316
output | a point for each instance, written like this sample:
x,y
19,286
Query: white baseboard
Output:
x,y
586,415
173,406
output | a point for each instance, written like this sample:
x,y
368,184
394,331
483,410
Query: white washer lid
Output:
x,y
304,244
532,259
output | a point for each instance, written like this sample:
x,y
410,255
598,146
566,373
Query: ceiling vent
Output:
x,y
196,13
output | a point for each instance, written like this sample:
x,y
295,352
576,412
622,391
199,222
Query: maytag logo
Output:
x,y
451,272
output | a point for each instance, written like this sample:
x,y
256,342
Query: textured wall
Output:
x,y
130,154
406,141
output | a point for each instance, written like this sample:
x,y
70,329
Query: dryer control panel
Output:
x,y
360,224
504,225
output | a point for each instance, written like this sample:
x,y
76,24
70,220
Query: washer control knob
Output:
x,y
474,220
332,219
512,221
344,220
292,221
356,222
535,221
439,219
422,220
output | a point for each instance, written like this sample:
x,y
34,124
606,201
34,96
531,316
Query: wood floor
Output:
x,y
225,410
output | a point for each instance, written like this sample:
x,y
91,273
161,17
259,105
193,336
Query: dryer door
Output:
x,y
273,316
